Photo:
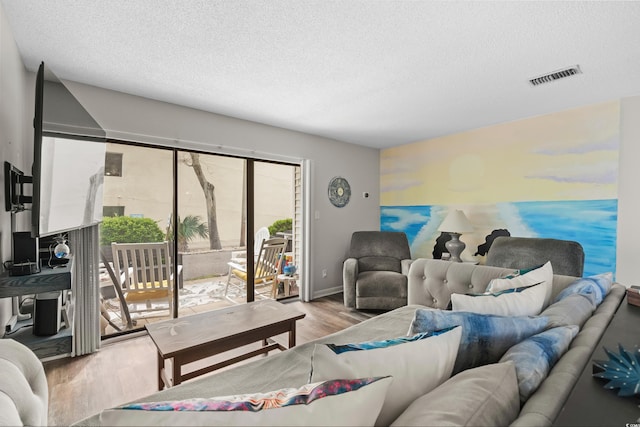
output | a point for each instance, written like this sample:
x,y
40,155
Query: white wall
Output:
x,y
15,139
628,193
134,118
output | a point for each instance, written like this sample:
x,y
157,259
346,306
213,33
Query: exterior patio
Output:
x,y
197,293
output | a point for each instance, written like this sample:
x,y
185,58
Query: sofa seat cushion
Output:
x,y
483,396
381,284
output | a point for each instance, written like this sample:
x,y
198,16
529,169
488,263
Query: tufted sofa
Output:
x,y
23,386
431,283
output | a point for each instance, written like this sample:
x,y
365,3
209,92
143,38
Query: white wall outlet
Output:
x,y
324,272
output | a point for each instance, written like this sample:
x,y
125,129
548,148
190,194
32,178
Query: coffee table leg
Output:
x,y
177,371
292,334
160,369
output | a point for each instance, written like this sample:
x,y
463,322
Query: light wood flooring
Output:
x,y
125,370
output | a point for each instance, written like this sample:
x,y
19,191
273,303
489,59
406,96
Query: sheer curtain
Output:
x,y
85,289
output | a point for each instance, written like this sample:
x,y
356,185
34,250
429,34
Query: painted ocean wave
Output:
x,y
592,223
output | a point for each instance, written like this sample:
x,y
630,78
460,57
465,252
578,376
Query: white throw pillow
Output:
x,y
417,364
330,403
542,274
526,301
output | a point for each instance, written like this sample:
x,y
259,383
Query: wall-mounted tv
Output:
x,y
68,162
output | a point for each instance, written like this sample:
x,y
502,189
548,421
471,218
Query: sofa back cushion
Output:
x,y
379,263
432,281
379,243
482,396
566,256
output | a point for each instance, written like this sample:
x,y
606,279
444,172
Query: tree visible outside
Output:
x,y
188,229
209,193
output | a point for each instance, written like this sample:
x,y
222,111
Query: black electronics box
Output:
x,y
24,268
25,248
26,254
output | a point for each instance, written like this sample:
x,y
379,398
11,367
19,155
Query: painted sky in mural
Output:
x,y
547,176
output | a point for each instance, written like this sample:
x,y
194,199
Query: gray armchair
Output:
x,y
375,272
566,256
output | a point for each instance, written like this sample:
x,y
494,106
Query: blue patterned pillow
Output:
x,y
535,356
485,337
593,287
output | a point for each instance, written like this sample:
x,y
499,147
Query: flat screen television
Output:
x,y
68,160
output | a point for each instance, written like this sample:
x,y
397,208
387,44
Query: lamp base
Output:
x,y
455,247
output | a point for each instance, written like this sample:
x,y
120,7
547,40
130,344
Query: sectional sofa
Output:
x,y
488,391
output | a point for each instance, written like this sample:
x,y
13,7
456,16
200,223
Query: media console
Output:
x,y
47,280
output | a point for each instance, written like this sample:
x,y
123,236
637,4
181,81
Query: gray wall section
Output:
x,y
628,193
16,104
134,118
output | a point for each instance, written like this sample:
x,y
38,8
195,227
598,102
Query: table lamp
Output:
x,y
455,224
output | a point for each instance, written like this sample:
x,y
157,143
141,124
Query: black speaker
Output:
x,y
46,313
25,248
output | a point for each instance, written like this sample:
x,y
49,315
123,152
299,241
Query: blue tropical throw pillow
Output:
x,y
594,287
535,356
485,337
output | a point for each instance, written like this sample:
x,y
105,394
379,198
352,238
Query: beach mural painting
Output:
x,y
552,176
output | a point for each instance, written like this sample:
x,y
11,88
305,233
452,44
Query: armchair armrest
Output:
x,y
404,266
349,275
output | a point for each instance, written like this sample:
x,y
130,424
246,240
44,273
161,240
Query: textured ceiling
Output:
x,y
375,73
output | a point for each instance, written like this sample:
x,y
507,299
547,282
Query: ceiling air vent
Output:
x,y
556,75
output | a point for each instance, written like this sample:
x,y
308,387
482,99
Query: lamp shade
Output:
x,y
456,222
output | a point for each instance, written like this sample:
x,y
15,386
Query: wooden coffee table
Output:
x,y
192,338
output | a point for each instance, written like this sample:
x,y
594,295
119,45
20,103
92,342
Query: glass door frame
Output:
x,y
250,211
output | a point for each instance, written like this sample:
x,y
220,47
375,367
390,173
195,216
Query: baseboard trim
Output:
x,y
326,292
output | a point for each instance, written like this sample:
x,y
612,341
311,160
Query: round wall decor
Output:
x,y
339,191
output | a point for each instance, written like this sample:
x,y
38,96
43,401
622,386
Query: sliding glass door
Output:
x,y
211,229
138,205
215,212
